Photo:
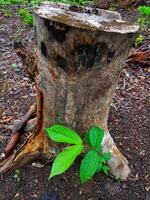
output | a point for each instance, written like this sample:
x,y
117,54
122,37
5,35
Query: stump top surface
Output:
x,y
85,18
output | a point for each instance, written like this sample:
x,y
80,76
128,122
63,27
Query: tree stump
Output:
x,y
80,55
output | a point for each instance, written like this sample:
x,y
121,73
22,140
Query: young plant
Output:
x,y
93,162
144,20
16,175
144,10
7,13
26,16
72,2
138,40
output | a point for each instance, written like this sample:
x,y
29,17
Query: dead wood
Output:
x,y
20,125
79,62
28,58
17,130
142,57
11,144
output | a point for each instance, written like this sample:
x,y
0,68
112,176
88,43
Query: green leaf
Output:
x,y
105,169
101,159
107,156
59,133
99,149
99,168
14,66
87,139
16,175
64,160
96,135
89,166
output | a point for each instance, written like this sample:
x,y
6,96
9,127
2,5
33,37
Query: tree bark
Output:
x,y
80,55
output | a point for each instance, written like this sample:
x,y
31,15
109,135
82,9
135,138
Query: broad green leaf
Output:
x,y
64,160
105,169
99,149
87,139
101,159
99,168
96,135
107,156
59,133
89,165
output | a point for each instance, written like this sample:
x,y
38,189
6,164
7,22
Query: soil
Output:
x,y
129,124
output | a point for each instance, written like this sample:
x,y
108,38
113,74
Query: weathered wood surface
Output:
x,y
80,56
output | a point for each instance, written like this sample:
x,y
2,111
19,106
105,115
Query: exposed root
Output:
x,y
11,144
18,126
31,150
17,131
118,163
37,145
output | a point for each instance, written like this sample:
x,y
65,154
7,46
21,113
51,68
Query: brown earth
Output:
x,y
129,124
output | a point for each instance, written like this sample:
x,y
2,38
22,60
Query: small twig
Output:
x,y
124,84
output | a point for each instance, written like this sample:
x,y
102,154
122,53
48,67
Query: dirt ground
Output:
x,y
129,124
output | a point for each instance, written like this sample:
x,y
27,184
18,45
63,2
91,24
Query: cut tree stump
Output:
x,y
80,55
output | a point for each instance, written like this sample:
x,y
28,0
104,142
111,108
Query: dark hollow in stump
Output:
x,y
80,55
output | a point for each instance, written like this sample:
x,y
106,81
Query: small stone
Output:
x,y
147,188
36,180
142,153
2,156
80,192
38,165
16,195
35,195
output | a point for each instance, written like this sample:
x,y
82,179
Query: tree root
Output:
x,y
18,126
118,163
17,130
36,146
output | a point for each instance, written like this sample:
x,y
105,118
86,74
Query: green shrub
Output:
x,y
35,2
144,20
26,16
94,160
7,13
7,2
73,2
144,10
139,39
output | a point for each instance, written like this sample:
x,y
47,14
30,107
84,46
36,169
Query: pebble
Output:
x,y
38,165
16,195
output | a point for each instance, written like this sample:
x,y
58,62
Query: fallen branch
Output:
x,y
17,130
19,125
11,144
140,56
